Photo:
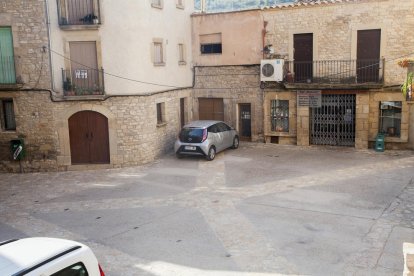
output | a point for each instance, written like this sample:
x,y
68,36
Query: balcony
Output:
x,y
79,14
8,79
335,74
83,82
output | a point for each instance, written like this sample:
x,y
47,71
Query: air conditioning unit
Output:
x,y
271,69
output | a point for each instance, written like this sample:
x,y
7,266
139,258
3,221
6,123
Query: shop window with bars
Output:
x,y
279,115
390,118
8,118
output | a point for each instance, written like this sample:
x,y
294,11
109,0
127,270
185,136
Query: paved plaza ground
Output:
x,y
262,209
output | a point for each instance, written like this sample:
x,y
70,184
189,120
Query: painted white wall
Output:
x,y
124,45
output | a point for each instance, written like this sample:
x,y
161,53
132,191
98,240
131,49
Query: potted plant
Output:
x,y
407,86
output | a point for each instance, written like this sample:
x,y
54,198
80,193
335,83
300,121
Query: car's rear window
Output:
x,y
191,135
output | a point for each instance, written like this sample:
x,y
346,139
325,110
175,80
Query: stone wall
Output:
x,y
236,85
134,135
335,25
27,20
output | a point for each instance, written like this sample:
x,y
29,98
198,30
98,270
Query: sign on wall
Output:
x,y
311,98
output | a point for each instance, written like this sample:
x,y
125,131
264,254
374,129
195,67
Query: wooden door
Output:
x,y
84,65
211,109
303,57
368,55
245,122
89,138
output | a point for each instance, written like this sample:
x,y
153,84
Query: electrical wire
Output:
x,y
113,75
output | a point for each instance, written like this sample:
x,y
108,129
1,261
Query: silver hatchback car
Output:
x,y
205,138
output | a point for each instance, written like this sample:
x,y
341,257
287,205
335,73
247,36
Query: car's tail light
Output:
x,y
100,270
204,135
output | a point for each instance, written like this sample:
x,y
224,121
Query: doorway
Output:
x,y
368,55
334,122
89,138
303,57
211,109
245,122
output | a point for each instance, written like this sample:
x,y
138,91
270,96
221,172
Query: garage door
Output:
x,y
211,109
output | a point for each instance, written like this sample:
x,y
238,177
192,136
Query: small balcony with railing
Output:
x,y
79,14
334,74
85,83
8,78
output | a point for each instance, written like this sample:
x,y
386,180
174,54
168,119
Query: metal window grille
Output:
x,y
279,115
8,115
156,2
158,55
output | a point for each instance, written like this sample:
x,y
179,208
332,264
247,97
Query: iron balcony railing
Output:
x,y
7,70
78,12
82,82
335,71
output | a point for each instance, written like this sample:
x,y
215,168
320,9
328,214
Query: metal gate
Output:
x,y
334,122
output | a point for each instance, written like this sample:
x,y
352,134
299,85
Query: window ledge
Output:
x,y
163,124
182,63
156,6
276,133
211,54
159,64
392,140
178,6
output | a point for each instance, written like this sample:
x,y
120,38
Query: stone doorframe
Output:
x,y
64,158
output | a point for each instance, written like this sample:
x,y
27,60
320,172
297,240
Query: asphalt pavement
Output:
x,y
262,209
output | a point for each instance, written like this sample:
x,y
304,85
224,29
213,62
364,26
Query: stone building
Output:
x,y
340,82
87,84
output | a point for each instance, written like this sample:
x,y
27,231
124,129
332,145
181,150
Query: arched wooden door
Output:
x,y
89,138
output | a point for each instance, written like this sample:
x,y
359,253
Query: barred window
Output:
x,y
181,54
390,118
8,118
279,115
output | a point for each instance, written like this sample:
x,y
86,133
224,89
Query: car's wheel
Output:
x,y
235,142
211,153
179,156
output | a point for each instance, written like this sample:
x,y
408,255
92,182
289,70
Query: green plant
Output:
x,y
406,87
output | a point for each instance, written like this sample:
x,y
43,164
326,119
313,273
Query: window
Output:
x,y
181,54
279,115
157,3
180,4
73,270
210,44
158,53
390,118
7,69
160,113
8,118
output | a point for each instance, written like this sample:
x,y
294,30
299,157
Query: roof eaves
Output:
x,y
306,3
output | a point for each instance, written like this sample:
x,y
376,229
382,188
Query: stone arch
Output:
x,y
64,156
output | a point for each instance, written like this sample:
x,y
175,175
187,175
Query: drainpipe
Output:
x,y
52,85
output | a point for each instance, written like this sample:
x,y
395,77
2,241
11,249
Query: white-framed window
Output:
x,y
157,4
181,54
180,4
158,53
8,122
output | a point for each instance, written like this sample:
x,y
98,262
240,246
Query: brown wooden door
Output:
x,y
245,122
211,109
368,55
89,138
303,57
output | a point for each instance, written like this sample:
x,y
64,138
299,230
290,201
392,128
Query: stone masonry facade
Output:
x,y
236,85
134,135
